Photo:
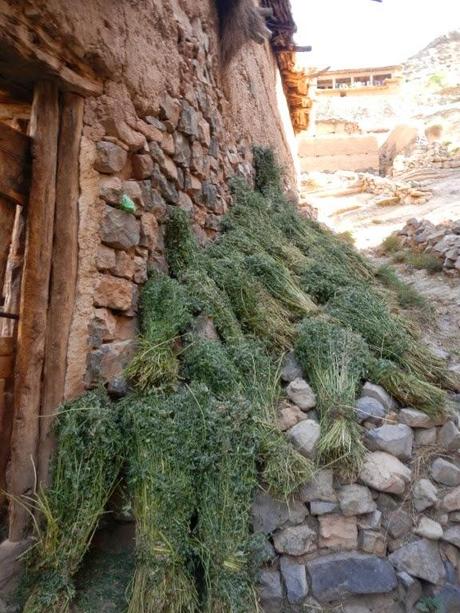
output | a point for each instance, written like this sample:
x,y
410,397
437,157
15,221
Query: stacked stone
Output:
x,y
178,156
425,156
442,241
380,543
390,191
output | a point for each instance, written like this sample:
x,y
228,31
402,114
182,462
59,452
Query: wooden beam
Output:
x,y
41,54
34,302
7,216
64,274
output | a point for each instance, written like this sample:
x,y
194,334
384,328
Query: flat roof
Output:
x,y
344,71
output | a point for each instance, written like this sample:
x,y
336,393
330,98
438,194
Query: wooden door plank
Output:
x,y
14,164
34,302
64,273
7,215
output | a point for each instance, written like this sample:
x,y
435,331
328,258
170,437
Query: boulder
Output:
x,y
451,501
445,472
319,507
269,514
270,588
429,529
289,416
370,409
420,559
452,535
384,473
301,394
321,487
372,542
295,540
335,576
338,532
370,390
424,494
398,523
410,590
449,437
394,439
370,521
119,230
304,436
426,436
290,369
295,579
415,418
356,500
110,157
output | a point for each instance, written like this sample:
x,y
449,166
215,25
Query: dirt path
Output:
x,y
370,224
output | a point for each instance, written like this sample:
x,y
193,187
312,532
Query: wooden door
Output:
x,y
14,173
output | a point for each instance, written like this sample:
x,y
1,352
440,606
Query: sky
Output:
x,y
362,33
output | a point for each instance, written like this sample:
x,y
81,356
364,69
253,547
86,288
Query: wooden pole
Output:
x,y
34,303
64,273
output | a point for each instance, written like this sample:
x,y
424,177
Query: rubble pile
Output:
x,y
442,240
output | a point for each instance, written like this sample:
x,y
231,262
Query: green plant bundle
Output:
x,y
389,336
85,469
335,360
205,296
407,388
280,283
257,311
164,313
322,281
406,294
180,243
165,429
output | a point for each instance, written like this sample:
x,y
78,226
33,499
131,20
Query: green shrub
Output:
x,y
85,469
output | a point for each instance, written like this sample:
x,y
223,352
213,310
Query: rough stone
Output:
x,y
451,501
420,559
335,576
291,369
119,230
371,390
289,416
269,514
370,409
133,189
321,487
295,540
115,358
370,521
295,579
394,439
410,590
11,564
188,123
104,324
415,418
110,190
110,158
304,436
319,507
105,258
449,437
424,437
124,266
372,542
338,532
269,586
142,166
445,472
397,523
114,293
149,231
356,500
424,494
429,529
452,535
301,394
385,473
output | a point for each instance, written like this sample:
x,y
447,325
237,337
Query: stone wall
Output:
x,y
169,130
382,542
336,152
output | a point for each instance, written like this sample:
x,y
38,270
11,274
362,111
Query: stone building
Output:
x,y
110,114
